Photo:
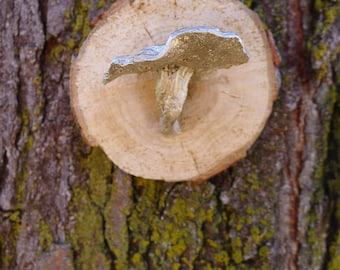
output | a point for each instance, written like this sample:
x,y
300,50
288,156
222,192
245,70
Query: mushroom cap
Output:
x,y
201,48
224,113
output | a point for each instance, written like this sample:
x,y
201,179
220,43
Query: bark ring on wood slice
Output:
x,y
226,105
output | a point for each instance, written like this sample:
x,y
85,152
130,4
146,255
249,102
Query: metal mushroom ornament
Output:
x,y
175,99
197,49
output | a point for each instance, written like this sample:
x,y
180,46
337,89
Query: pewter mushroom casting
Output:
x,y
190,50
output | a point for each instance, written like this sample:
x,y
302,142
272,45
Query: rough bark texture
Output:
x,y
64,205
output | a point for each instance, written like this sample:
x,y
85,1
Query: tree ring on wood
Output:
x,y
225,110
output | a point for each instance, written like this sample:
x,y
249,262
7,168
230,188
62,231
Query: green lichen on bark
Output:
x,y
333,187
248,3
334,248
9,238
251,220
23,174
316,231
88,200
146,196
165,224
82,21
78,19
179,225
45,236
324,51
99,176
318,44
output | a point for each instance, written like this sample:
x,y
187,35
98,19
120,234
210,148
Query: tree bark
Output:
x,y
64,205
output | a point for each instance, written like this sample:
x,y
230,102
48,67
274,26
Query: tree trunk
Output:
x,y
64,205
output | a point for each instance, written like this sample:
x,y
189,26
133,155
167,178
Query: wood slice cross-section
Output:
x,y
225,110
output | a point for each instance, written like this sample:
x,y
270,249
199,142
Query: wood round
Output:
x,y
224,113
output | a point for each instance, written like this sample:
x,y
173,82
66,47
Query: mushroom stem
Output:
x,y
171,92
